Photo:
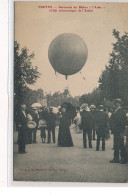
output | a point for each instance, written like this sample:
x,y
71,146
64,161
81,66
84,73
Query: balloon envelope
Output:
x,y
67,53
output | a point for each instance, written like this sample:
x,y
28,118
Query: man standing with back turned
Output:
x,y
51,123
86,126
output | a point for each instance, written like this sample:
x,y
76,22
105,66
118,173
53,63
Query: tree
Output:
x,y
57,98
24,73
113,81
92,98
108,83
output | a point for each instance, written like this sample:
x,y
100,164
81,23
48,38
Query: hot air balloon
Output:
x,y
67,54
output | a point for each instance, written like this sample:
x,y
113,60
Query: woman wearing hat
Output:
x,y
64,136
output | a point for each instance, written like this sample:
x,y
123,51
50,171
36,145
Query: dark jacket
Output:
x,y
102,121
22,126
51,120
93,119
118,121
21,119
85,120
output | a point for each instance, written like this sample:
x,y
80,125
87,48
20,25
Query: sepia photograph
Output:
x,y
70,98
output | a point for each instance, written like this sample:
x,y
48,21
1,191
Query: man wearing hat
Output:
x,y
93,118
51,123
86,126
22,125
102,125
118,122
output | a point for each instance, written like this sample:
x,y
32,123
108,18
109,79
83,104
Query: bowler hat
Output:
x,y
101,106
92,106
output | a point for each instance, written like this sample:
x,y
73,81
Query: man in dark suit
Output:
x,y
22,125
93,120
51,123
102,125
86,126
118,122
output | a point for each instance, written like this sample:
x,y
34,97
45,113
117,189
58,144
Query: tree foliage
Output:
x,y
113,81
58,98
24,73
92,98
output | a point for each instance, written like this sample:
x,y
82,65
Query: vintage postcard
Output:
x,y
70,92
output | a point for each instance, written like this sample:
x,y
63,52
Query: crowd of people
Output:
x,y
96,123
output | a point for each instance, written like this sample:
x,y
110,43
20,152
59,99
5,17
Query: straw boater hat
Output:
x,y
34,108
31,124
42,123
84,106
101,107
93,106
118,100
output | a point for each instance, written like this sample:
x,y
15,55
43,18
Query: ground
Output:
x,y
48,162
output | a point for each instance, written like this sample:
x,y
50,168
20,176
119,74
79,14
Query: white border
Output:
x,y
10,122
3,90
10,91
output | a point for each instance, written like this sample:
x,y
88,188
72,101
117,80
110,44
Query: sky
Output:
x,y
36,27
